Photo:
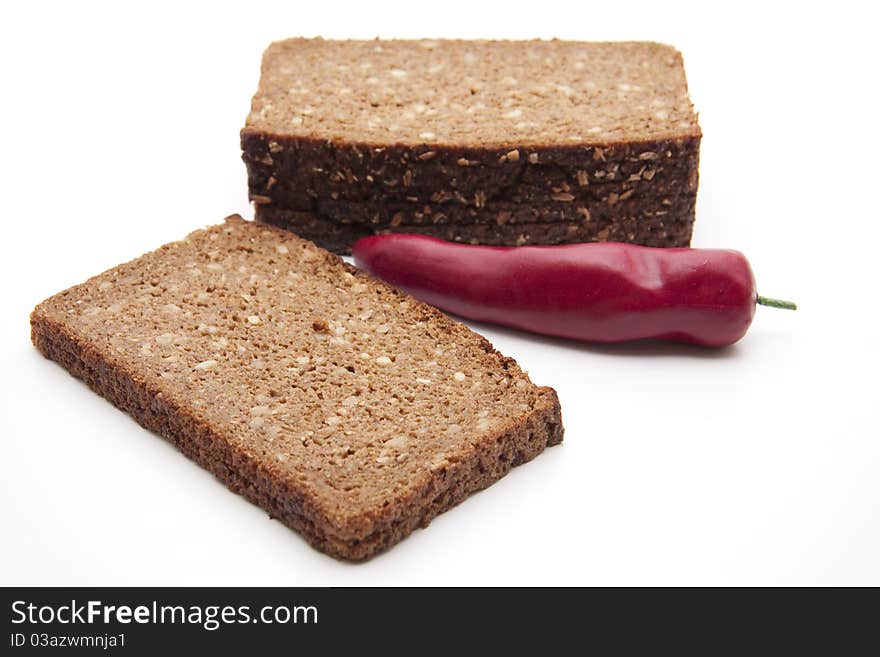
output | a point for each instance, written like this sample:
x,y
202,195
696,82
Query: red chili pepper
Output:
x,y
602,292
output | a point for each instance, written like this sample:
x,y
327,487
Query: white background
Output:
x,y
758,464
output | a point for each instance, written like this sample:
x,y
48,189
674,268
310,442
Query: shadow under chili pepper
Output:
x,y
647,348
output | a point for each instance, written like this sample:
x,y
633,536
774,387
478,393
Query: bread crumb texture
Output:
x,y
346,409
472,93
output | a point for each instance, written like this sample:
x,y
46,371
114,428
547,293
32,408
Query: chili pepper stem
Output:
x,y
776,303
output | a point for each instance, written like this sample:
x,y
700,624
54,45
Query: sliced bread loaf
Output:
x,y
345,130
349,411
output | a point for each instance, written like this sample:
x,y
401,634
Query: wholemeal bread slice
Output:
x,y
344,408
476,123
338,235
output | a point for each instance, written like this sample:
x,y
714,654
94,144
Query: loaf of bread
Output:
x,y
497,142
344,408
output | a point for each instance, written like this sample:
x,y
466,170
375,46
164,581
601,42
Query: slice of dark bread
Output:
x,y
344,408
362,127
339,235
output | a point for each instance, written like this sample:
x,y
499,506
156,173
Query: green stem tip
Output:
x,y
776,303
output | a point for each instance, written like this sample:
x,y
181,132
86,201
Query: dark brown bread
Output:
x,y
669,169
497,212
348,410
339,235
350,129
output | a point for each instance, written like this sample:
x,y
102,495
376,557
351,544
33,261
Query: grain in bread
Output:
x,y
344,408
474,123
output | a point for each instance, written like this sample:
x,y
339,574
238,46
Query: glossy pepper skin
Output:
x,y
598,292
